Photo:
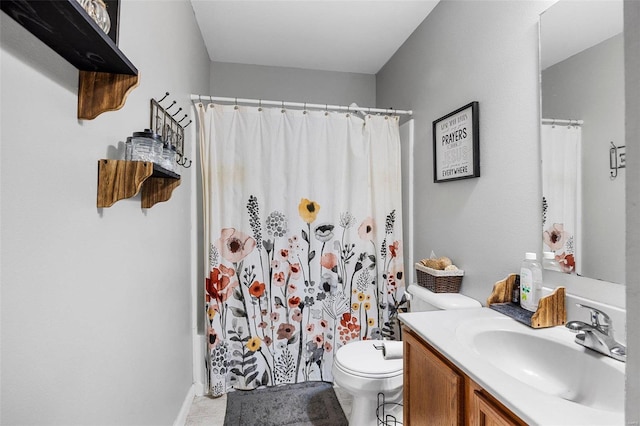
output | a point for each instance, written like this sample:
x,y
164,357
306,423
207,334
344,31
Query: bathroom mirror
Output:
x,y
582,137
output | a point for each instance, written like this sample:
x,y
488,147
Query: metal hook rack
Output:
x,y
170,130
616,159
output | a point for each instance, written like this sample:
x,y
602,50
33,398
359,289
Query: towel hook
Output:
x,y
179,109
164,97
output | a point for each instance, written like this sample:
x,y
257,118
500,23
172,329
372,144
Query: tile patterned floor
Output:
x,y
210,411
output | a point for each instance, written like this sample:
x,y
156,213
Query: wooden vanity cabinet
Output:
x,y
436,392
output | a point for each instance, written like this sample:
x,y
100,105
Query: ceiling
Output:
x,y
349,35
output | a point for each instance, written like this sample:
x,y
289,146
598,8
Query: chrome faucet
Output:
x,y
598,335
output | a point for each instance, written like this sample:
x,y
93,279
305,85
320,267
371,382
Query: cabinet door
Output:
x,y
433,391
487,413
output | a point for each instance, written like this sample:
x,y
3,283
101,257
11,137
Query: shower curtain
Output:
x,y
303,234
561,153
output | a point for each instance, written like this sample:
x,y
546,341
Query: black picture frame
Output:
x,y
456,144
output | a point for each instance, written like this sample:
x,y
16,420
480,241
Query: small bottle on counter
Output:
x,y
549,262
530,282
515,293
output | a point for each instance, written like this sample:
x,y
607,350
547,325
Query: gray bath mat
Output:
x,y
308,404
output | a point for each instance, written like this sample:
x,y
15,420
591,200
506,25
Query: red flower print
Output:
x,y
349,328
567,262
257,289
365,231
329,261
295,270
286,331
327,347
319,339
555,236
294,301
284,254
278,279
212,337
219,286
324,323
297,315
234,245
394,248
310,328
275,316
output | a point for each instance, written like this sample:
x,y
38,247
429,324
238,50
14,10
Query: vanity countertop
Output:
x,y
442,330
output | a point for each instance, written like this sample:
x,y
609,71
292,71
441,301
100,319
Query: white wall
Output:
x,y
292,84
485,225
96,303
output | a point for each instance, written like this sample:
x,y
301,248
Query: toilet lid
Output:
x,y
361,358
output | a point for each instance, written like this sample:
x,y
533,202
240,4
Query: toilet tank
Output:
x,y
426,300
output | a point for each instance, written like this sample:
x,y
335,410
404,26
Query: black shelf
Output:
x,y
159,171
64,26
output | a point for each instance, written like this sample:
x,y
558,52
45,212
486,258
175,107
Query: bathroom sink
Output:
x,y
547,360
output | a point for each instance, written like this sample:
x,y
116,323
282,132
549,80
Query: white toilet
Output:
x,y
361,370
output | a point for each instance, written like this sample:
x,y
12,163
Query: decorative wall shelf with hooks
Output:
x,y
120,179
106,75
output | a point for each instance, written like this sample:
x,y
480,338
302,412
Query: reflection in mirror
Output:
x,y
582,106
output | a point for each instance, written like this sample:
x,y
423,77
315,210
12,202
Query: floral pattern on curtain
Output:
x,y
303,229
561,192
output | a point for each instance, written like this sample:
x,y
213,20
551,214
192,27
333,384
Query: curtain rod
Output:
x,y
299,105
561,122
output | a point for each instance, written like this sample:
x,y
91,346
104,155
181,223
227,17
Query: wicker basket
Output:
x,y
439,281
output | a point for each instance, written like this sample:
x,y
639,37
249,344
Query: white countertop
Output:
x,y
439,329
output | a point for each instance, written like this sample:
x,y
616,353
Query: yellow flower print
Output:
x,y
371,322
211,313
254,344
355,306
308,210
360,297
367,306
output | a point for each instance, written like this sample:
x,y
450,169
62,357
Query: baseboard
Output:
x,y
186,406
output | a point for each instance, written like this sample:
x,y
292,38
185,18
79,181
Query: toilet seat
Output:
x,y
362,359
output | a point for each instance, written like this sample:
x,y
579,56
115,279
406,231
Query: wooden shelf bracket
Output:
x,y
551,309
119,179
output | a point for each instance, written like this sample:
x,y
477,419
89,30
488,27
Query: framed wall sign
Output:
x,y
456,145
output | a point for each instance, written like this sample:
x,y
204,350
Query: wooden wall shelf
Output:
x,y
120,179
65,27
551,308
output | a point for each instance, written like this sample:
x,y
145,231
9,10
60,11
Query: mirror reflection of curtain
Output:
x,y
561,189
303,232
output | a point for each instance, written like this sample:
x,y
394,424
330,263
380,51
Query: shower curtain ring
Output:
x,y
259,104
283,110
